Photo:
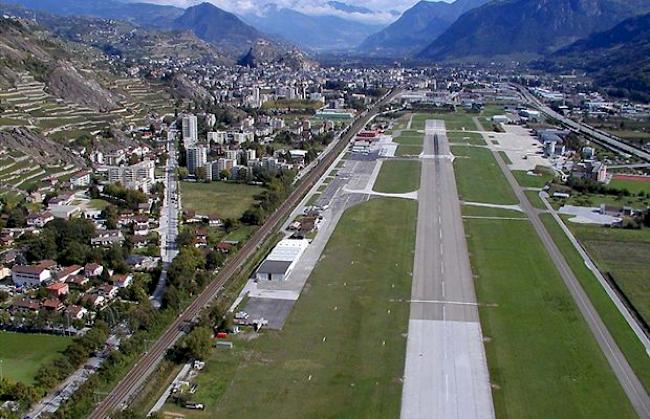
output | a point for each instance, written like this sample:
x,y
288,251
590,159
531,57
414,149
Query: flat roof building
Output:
x,y
282,259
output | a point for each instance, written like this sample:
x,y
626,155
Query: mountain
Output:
x,y
27,48
219,27
312,31
526,29
617,59
142,14
417,27
347,8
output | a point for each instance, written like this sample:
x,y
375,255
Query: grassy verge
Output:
x,y
472,211
22,354
624,336
543,360
535,200
398,176
531,181
634,186
479,178
229,200
505,157
410,143
348,366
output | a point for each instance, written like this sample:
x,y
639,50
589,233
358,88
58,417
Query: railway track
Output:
x,y
122,393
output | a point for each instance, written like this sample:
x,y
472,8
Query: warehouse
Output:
x,y
282,259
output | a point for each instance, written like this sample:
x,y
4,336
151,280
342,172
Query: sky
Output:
x,y
384,11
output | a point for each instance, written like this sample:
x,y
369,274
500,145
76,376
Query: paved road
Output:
x,y
446,374
168,228
140,372
628,380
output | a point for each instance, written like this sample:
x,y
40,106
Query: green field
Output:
x,y
410,143
455,121
22,354
595,200
530,181
543,360
479,178
535,200
633,186
465,138
229,200
624,336
349,365
625,254
398,176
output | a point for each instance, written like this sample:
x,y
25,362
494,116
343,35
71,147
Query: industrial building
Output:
x,y
282,259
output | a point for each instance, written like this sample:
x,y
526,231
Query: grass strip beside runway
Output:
x,y
544,362
398,176
623,335
341,352
479,178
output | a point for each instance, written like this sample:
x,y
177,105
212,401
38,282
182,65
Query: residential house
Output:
x,y
52,304
39,220
58,289
122,281
76,312
107,238
93,270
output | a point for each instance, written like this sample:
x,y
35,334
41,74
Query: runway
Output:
x,y
446,374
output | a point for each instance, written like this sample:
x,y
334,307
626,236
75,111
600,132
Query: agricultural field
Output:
x,y
229,200
479,178
543,360
398,176
22,354
625,255
348,366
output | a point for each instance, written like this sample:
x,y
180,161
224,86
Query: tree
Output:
x,y
171,298
75,253
197,344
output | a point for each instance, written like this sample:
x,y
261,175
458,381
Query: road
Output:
x,y
119,397
633,388
446,372
598,136
168,223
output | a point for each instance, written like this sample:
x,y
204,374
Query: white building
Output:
x,y
281,261
30,276
190,129
137,176
196,157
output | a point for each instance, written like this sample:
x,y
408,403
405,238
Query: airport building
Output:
x,y
282,259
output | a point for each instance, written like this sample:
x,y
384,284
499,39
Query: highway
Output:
x,y
630,383
130,384
598,136
446,373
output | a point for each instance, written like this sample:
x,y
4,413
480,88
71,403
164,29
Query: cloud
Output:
x,y
383,10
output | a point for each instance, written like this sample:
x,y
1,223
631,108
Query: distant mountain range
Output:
x,y
617,59
143,14
416,28
526,29
314,32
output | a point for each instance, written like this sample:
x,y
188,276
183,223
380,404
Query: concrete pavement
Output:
x,y
446,374
168,223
